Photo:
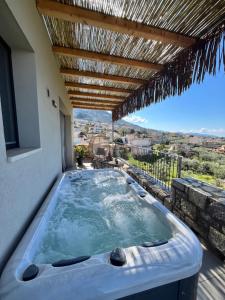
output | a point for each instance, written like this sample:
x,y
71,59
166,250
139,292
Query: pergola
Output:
x,y
123,55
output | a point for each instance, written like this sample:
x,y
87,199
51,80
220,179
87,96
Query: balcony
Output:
x,y
60,55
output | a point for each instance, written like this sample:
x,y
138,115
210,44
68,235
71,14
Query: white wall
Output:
x,y
140,142
24,182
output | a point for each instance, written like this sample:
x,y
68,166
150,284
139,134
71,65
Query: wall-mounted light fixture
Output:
x,y
54,104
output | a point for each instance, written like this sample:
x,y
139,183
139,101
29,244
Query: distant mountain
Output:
x,y
202,134
199,134
92,115
106,117
102,116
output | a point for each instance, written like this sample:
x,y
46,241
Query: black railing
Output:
x,y
161,166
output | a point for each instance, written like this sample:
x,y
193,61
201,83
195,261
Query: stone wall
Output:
x,y
202,207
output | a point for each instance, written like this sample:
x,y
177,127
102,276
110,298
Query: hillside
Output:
x,y
93,116
104,117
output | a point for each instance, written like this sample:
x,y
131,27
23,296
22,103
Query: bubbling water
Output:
x,y
96,213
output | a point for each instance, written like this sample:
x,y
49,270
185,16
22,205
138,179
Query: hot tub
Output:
x,y
99,235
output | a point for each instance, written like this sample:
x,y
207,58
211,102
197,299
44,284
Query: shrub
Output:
x,y
125,153
220,172
206,168
80,151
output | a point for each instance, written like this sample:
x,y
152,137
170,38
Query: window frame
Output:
x,y
13,100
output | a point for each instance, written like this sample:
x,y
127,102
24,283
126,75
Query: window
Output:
x,y
7,97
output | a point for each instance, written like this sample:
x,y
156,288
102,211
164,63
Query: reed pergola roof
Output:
x,y
123,55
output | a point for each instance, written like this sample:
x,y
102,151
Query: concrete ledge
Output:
x,y
20,153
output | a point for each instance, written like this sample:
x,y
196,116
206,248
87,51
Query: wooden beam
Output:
x,y
118,60
89,17
93,101
102,102
97,87
92,107
101,76
95,95
97,98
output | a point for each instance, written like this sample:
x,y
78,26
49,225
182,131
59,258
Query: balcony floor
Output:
x,y
212,277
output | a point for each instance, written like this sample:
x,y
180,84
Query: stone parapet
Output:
x,y
202,207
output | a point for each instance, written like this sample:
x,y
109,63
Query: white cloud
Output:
x,y
214,131
135,119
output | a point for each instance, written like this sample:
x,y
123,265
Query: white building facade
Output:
x,y
35,119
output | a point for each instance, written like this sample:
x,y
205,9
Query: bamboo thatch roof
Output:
x,y
138,51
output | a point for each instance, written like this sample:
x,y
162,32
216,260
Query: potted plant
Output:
x,y
80,152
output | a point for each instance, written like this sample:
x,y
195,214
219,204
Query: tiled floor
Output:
x,y
212,278
86,166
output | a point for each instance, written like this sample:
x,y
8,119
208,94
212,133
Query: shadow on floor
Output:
x,y
212,277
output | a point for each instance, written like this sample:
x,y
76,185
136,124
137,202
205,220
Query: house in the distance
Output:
x,y
220,150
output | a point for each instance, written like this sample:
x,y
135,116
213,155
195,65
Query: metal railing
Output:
x,y
161,166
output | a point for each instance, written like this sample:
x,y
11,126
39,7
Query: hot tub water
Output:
x,y
95,213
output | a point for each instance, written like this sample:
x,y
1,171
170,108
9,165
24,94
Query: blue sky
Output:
x,y
201,109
